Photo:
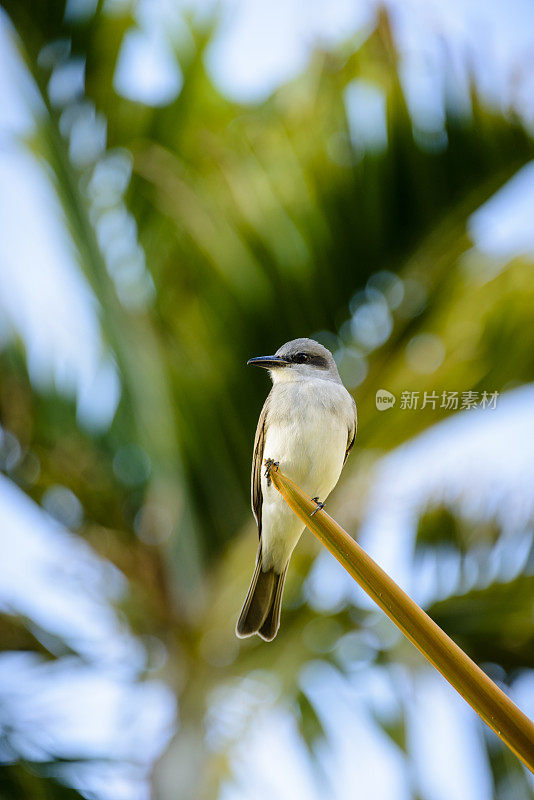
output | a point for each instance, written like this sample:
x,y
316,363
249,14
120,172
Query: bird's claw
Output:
x,y
319,506
269,464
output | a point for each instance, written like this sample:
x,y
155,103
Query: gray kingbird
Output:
x,y
308,426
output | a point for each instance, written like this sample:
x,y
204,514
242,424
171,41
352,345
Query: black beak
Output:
x,y
268,362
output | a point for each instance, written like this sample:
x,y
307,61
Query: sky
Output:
x,y
45,300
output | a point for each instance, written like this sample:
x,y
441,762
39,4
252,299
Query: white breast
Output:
x,y
307,430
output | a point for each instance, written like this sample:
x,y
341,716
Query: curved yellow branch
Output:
x,y
496,709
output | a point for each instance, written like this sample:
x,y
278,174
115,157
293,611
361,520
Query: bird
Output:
x,y
308,427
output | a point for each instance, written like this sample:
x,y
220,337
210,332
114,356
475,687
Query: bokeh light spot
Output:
x,y
64,506
131,465
425,353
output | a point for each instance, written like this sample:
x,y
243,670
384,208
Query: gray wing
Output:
x,y
257,463
352,432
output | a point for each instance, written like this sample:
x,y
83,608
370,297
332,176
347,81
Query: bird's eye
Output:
x,y
300,358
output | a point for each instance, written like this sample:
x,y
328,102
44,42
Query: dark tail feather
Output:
x,y
261,611
270,626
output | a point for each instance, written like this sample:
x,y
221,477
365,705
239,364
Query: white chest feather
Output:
x,y
307,432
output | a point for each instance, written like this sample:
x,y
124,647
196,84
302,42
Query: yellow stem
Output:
x,y
496,709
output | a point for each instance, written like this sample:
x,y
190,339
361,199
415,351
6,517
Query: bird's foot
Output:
x,y
269,464
319,505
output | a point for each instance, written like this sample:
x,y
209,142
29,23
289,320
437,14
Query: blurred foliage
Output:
x,y
492,623
25,780
259,224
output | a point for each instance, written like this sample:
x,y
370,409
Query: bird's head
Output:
x,y
300,359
